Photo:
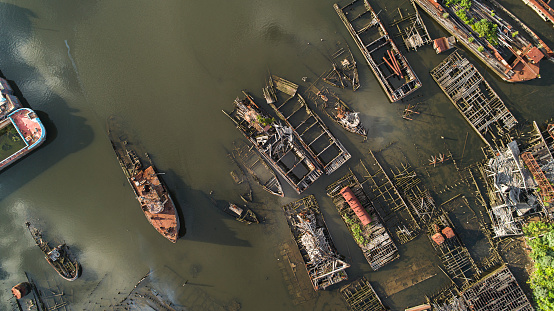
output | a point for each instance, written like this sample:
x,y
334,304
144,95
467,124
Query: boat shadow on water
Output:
x,y
204,222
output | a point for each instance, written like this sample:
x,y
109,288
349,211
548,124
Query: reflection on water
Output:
x,y
169,69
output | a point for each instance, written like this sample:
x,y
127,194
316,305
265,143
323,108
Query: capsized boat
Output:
x,y
242,214
338,110
150,191
257,167
58,257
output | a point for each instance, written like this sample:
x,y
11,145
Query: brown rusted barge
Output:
x,y
276,143
149,189
390,67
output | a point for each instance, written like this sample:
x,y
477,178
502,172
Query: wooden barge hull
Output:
x,y
293,162
165,221
344,68
331,269
394,73
308,127
473,97
258,168
378,248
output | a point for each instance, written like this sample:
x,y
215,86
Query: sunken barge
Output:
x,y
344,71
149,189
363,221
483,28
379,50
276,143
257,167
306,125
325,266
58,257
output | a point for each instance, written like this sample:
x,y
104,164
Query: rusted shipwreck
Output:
x,y
344,71
324,264
391,68
363,221
277,144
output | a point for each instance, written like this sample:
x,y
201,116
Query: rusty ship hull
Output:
x,y
149,189
516,57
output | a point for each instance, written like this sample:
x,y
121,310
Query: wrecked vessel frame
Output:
x,y
394,73
325,266
276,144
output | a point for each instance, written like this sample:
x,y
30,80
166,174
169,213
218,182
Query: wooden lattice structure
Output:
x,y
546,189
495,292
412,30
455,257
307,126
473,97
391,206
377,246
360,296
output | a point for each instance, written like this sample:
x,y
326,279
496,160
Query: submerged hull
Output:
x,y
151,192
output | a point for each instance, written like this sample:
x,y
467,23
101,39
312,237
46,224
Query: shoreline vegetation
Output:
x,y
540,238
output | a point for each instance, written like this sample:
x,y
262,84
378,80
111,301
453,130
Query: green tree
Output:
x,y
540,237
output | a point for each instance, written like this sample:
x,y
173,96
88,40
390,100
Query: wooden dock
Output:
x,y
377,246
474,98
390,67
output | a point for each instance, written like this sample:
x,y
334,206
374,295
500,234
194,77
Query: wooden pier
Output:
x,y
391,206
376,244
307,126
390,67
360,296
473,97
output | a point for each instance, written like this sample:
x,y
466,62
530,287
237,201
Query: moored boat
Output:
x,y
58,257
149,189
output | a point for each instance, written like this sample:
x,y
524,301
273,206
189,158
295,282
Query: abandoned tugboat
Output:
x,y
338,110
257,167
242,214
324,264
58,257
150,191
276,143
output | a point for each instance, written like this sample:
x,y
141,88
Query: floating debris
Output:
x,y
325,266
363,221
393,73
473,97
